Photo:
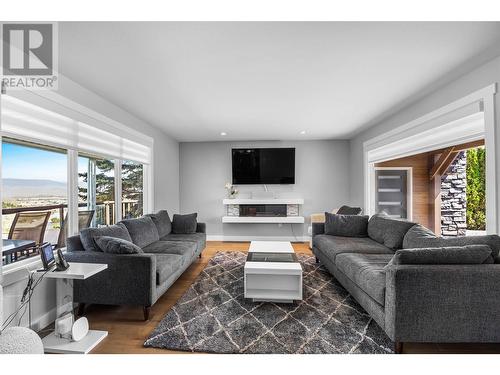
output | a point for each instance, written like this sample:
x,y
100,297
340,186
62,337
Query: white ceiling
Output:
x,y
264,80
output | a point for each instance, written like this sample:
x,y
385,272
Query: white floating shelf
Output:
x,y
387,190
263,201
389,203
263,219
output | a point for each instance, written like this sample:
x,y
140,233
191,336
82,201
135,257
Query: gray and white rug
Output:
x,y
214,317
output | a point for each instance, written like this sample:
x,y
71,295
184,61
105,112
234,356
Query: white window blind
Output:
x,y
28,121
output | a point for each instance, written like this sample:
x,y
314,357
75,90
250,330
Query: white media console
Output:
x,y
263,210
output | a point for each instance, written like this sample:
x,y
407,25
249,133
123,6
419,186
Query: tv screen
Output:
x,y
263,166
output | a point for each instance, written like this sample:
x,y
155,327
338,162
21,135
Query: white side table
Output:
x,y
64,291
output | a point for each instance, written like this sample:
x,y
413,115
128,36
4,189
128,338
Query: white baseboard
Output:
x,y
221,237
49,317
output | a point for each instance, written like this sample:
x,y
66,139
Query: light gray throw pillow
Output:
x,y
112,245
346,225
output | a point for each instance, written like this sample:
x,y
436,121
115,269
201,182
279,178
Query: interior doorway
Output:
x,y
447,192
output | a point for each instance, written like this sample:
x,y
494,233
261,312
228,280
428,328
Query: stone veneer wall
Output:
x,y
453,198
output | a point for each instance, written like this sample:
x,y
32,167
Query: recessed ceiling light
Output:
x,y
303,132
223,133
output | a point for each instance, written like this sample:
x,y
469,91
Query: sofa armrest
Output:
x,y
201,228
130,279
443,303
318,228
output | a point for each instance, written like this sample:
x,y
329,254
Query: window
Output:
x,y
96,189
34,188
47,151
132,189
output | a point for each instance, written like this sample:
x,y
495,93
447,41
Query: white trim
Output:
x,y
382,147
471,98
118,190
429,137
148,188
72,178
492,166
18,271
223,238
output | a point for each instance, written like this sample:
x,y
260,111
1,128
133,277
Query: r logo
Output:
x,y
28,49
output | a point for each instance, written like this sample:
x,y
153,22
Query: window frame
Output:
x,y
72,190
72,172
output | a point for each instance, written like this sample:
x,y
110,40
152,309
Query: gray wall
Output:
x,y
166,165
477,79
321,173
166,149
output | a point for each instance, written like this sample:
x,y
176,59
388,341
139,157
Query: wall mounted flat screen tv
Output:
x,y
263,166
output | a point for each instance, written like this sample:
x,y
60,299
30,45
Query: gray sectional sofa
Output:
x,y
139,278
418,287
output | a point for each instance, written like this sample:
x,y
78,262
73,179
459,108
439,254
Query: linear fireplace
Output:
x,y
263,210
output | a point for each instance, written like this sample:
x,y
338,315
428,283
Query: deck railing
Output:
x,y
104,215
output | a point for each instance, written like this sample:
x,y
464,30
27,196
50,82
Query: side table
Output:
x,y
64,292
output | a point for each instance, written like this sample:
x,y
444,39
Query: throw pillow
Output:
x,y
416,235
113,245
346,210
346,225
88,235
142,231
387,231
472,254
184,224
162,222
418,239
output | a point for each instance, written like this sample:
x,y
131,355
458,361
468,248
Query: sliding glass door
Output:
x,y
132,189
96,189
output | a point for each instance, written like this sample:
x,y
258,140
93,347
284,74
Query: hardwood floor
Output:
x,y
128,331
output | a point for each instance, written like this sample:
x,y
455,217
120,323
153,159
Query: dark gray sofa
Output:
x,y
446,303
135,279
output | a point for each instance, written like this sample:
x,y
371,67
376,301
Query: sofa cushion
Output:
x,y
332,246
142,231
471,254
418,239
366,271
88,235
198,238
346,225
387,231
113,245
184,224
166,266
186,249
162,222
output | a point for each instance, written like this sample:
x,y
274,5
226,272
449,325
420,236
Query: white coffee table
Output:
x,y
272,272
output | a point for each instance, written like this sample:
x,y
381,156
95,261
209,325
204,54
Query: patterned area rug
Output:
x,y
214,317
